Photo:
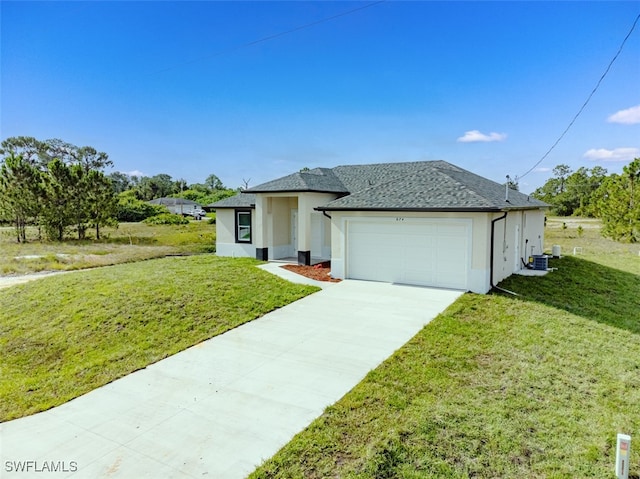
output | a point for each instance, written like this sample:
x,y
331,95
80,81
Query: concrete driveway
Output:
x,y
220,408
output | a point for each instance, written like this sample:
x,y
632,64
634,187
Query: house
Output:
x,y
180,206
426,223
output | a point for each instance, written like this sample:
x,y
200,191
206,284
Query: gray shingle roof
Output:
x,y
319,180
241,200
421,185
427,185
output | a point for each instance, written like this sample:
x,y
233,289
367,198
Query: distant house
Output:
x,y
181,206
426,223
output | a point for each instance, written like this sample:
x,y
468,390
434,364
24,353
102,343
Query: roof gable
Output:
x,y
241,200
318,180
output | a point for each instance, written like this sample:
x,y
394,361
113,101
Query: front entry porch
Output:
x,y
289,229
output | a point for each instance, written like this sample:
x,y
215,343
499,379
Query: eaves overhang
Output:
x,y
302,190
233,207
527,207
415,210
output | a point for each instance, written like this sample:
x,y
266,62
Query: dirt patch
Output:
x,y
11,280
319,272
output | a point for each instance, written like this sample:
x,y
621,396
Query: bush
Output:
x,y
205,197
132,210
166,219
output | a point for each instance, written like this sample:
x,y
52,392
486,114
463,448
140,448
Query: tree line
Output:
x,y
614,198
60,187
147,188
54,185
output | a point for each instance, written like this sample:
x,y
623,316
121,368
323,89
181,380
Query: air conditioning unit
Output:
x,y
540,262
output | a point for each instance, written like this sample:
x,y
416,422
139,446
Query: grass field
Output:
x,y
129,242
65,335
534,386
590,244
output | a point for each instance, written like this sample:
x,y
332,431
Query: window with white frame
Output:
x,y
243,226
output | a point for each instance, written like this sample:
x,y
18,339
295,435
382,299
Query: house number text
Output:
x,y
399,219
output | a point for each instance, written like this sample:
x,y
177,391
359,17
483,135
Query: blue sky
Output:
x,y
175,87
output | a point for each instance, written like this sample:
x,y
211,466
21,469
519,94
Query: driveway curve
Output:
x,y
223,406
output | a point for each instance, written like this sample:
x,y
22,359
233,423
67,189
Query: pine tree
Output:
x,y
58,204
20,191
103,202
618,204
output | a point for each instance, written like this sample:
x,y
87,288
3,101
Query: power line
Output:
x,y
274,36
586,101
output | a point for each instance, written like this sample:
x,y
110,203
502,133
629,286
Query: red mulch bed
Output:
x,y
319,272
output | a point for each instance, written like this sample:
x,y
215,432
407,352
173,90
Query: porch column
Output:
x,y
305,208
260,236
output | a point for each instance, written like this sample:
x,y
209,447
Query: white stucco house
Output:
x,y
426,223
180,206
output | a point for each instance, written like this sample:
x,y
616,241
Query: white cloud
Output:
x,y
473,136
542,169
629,116
617,154
134,173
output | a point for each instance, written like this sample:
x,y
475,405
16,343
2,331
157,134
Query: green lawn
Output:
x,y
534,386
65,335
129,242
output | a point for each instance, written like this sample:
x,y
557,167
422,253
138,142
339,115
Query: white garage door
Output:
x,y
421,252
